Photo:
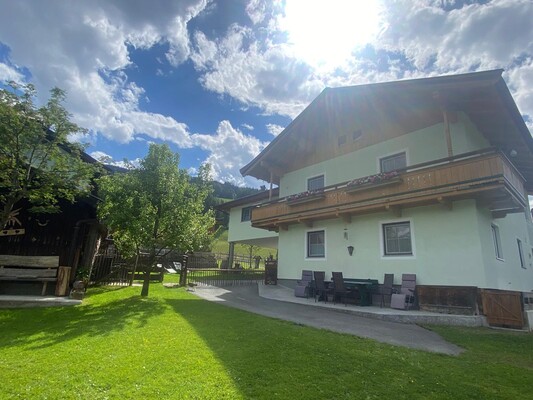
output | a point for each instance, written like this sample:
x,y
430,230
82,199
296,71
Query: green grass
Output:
x,y
173,345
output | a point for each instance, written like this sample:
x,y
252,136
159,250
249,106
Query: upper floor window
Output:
x,y
521,253
497,241
315,183
393,163
246,214
397,239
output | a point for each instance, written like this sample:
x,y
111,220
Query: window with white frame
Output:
x,y
497,241
315,183
316,244
397,239
521,253
246,214
393,163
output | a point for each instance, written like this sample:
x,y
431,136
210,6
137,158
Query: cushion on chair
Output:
x,y
398,301
300,291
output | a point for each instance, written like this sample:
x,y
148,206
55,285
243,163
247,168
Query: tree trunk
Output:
x,y
146,282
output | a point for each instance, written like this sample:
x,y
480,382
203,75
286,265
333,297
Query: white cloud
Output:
x,y
106,159
8,73
258,74
274,129
256,10
248,127
230,150
82,47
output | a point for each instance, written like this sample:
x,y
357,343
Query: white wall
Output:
x,y
451,247
243,231
421,146
506,274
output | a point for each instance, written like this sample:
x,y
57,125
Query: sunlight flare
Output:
x,y
325,33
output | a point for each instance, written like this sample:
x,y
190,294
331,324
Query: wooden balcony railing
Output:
x,y
485,175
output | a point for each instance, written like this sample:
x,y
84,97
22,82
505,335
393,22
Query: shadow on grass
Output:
x,y
42,327
269,358
272,359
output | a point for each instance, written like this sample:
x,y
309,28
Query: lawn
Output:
x,y
173,345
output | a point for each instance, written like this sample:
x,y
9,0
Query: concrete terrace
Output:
x,y
285,294
36,301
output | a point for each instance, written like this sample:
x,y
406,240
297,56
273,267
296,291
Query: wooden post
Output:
x,y
231,254
63,277
270,190
447,132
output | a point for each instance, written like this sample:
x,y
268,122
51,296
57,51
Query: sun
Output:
x,y
324,33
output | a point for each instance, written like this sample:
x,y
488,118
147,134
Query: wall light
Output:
x,y
350,250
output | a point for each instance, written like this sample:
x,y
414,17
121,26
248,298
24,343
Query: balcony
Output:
x,y
487,176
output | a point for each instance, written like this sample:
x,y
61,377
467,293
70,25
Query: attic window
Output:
x,y
341,140
357,134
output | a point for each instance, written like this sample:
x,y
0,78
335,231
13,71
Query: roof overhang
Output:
x,y
483,96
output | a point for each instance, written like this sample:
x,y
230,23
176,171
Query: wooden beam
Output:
x,y
447,133
270,190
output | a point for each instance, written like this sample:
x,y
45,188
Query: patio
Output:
x,y
286,294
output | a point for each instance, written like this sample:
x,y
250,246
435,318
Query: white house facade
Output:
x,y
429,177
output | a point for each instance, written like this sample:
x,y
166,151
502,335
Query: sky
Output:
x,y
218,80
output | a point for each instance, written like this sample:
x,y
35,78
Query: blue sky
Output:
x,y
218,80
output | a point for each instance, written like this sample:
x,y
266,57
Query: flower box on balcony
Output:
x,y
373,181
305,197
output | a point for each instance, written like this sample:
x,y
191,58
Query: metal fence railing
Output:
x,y
224,277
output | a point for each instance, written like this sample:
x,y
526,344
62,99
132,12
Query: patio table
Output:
x,y
364,287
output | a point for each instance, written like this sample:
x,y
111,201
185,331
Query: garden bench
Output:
x,y
29,268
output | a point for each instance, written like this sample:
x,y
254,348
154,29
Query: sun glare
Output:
x,y
325,32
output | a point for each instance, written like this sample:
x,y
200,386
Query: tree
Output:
x,y
37,162
156,208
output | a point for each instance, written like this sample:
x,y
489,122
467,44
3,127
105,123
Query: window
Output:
x,y
393,163
497,241
246,214
357,134
341,140
316,244
315,183
521,253
397,239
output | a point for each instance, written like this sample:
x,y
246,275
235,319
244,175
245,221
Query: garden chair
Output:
x,y
339,289
406,297
320,288
385,290
303,286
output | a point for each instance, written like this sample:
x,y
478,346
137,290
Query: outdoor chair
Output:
x,y
320,289
339,289
406,297
385,290
303,286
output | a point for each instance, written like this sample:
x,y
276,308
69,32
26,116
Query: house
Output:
x,y
240,229
425,176
73,235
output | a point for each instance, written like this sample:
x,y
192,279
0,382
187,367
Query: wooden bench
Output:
x,y
29,268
